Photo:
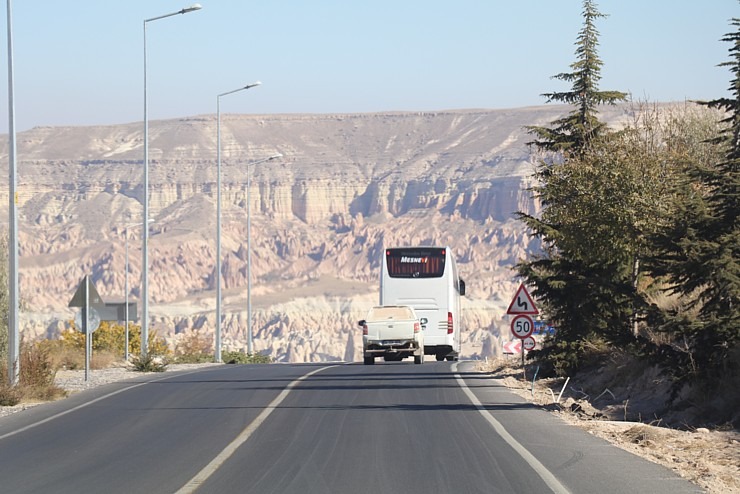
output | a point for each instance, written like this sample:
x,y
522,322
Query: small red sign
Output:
x,y
529,343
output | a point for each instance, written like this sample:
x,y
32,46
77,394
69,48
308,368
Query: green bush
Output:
x,y
245,358
111,338
198,358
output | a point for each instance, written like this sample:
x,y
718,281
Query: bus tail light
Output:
x,y
450,326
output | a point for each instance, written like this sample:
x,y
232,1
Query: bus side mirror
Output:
x,y
462,287
423,321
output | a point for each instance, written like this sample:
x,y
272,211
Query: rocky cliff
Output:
x,y
346,186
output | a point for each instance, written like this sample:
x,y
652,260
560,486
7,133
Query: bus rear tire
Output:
x,y
440,358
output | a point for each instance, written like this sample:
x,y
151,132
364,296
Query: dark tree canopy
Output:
x,y
701,253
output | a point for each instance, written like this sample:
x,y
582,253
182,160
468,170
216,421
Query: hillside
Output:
x,y
347,186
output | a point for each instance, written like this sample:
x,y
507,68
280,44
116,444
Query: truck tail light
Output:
x,y
450,325
364,329
417,327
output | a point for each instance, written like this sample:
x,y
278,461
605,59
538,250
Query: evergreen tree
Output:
x,y
701,251
574,288
571,133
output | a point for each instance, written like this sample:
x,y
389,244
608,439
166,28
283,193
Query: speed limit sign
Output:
x,y
522,326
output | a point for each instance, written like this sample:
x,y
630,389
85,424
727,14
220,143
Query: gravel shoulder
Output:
x,y
708,458
73,381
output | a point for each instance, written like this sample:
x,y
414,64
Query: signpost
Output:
x,y
529,343
83,320
522,307
87,298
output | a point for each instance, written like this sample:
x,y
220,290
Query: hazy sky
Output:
x,y
80,62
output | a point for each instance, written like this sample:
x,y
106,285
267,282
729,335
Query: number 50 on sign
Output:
x,y
522,326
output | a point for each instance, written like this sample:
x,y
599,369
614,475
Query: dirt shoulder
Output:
x,y
707,457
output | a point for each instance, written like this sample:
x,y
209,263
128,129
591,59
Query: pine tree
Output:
x,y
572,133
575,290
702,249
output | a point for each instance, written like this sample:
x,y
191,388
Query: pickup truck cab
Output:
x,y
393,332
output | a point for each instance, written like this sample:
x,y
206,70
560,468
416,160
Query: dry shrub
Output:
x,y
643,435
65,356
62,355
103,359
35,380
9,395
37,374
194,347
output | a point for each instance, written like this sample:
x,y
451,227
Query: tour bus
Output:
x,y
426,279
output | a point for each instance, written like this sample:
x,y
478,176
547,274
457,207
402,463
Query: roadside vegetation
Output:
x,y
40,360
640,233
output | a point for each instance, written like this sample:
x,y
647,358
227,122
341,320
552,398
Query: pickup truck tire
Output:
x,y
369,360
419,359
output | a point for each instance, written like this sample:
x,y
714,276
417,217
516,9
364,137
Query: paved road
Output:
x,y
346,428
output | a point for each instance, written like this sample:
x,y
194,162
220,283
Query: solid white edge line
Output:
x,y
88,403
193,484
546,476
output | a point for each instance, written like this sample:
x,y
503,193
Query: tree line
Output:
x,y
638,224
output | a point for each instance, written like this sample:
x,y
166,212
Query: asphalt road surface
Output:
x,y
439,427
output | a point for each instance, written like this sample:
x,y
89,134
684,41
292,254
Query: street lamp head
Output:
x,y
138,223
192,8
254,84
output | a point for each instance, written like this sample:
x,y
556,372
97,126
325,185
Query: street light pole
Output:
x,y
125,351
249,251
145,236
13,295
125,232
217,343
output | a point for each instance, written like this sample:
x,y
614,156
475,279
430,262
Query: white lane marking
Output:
x,y
194,483
546,476
88,403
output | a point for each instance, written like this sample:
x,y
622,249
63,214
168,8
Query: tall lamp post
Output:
x,y
145,236
13,295
125,232
217,343
249,250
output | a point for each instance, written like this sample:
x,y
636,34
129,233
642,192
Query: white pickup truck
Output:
x,y
393,332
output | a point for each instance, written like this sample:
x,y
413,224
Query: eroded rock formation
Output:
x,y
347,186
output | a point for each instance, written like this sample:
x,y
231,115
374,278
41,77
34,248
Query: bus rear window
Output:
x,y
415,263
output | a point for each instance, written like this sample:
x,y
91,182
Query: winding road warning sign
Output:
x,y
522,303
